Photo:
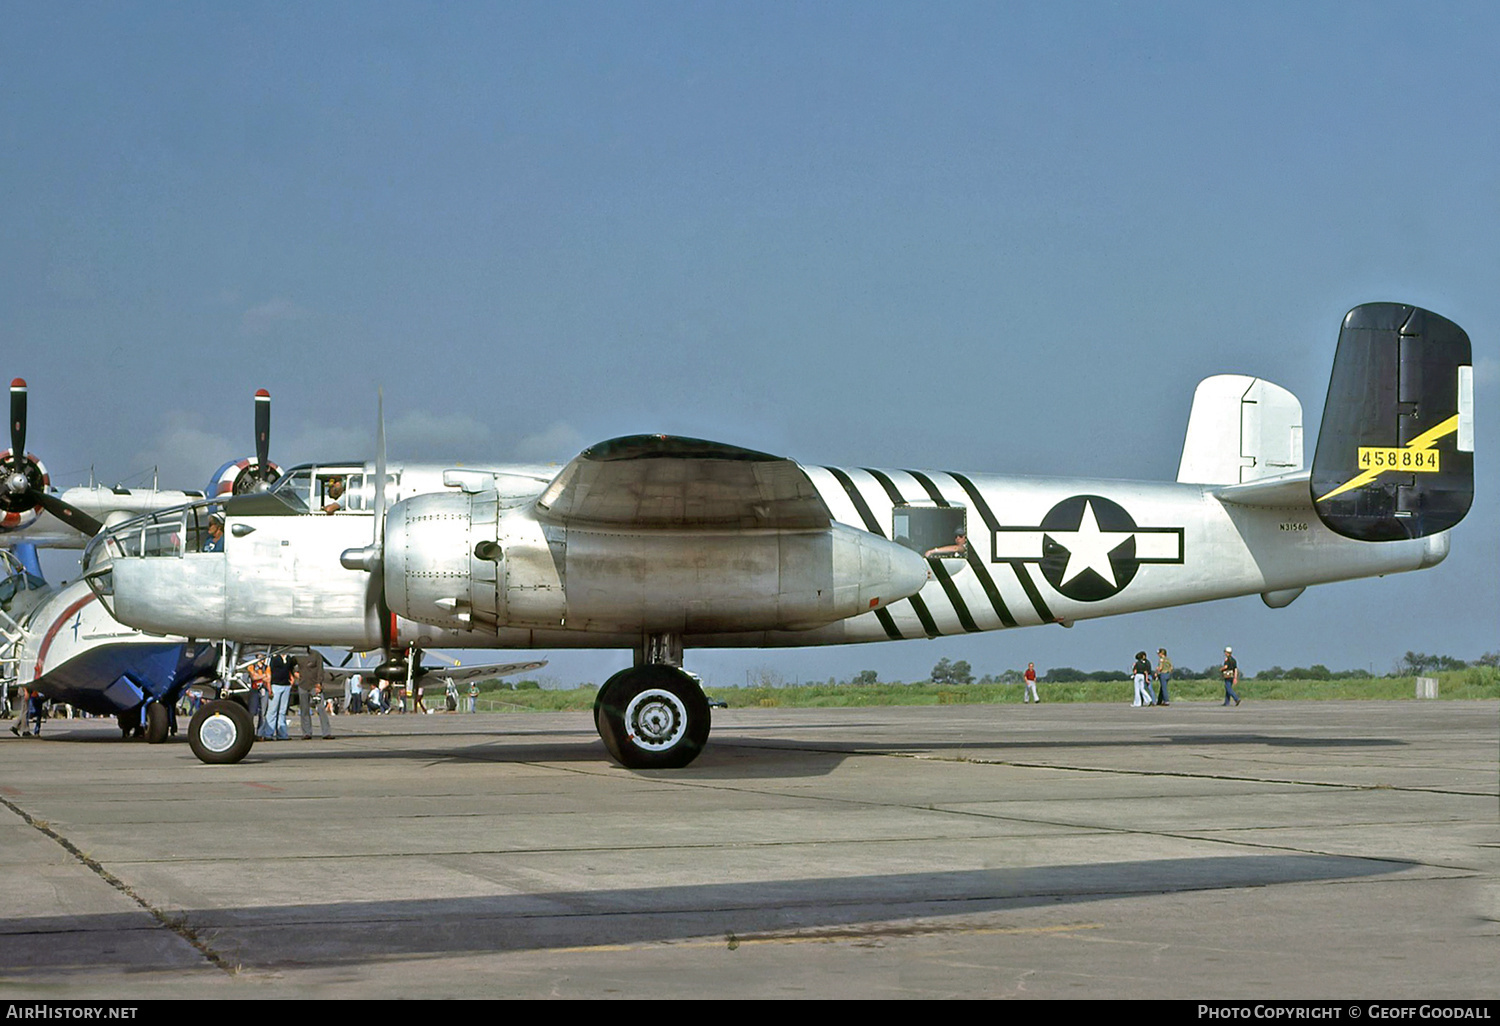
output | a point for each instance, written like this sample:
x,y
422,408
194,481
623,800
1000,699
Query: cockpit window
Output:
x,y
169,532
16,579
332,488
295,487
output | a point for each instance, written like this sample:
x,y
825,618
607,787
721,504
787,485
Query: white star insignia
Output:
x,y
1089,548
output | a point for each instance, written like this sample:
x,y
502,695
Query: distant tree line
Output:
x,y
951,673
1414,663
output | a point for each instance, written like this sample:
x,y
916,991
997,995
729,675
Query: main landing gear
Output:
x,y
152,723
652,717
157,723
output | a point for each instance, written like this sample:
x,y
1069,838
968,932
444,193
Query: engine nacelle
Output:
x,y
464,562
240,476
15,511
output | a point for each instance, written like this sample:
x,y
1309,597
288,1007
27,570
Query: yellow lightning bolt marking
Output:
x,y
1426,440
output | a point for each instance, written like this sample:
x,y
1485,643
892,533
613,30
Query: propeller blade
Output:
x,y
379,468
262,434
18,420
70,515
387,618
369,558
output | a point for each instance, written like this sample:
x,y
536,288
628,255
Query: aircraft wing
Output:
x,y
474,671
662,481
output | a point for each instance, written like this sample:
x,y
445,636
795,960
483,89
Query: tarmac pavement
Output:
x,y
1276,850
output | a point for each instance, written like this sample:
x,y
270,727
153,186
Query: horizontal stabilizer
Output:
x,y
1286,491
1241,429
1395,456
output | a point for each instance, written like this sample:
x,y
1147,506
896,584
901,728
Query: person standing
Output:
x,y
1140,673
283,674
310,692
260,693
1163,677
1031,695
1231,674
23,697
35,710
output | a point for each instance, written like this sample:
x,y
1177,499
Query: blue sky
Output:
x,y
986,237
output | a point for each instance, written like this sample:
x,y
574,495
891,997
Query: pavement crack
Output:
x,y
177,924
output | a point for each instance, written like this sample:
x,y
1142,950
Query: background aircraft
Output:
x,y
32,513
64,643
658,543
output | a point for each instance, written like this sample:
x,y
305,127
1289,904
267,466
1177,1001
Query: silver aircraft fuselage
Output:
x,y
1037,550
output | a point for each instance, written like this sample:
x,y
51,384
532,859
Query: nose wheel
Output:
x,y
222,732
652,717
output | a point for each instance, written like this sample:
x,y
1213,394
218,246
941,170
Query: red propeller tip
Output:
x,y
18,383
261,393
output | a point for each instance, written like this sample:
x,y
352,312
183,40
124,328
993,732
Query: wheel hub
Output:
x,y
656,720
218,733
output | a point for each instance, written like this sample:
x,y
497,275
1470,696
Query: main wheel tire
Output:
x,y
157,722
221,732
652,717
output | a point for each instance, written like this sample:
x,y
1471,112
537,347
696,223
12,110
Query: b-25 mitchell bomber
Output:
x,y
660,544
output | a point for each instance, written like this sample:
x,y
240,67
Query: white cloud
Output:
x,y
560,442
264,317
187,452
414,436
322,442
420,435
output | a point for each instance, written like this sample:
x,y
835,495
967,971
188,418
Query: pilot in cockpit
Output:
x,y
333,495
215,540
960,546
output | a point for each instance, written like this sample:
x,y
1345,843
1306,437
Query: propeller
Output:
x,y
263,474
23,482
394,665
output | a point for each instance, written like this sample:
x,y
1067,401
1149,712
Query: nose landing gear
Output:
x,y
221,732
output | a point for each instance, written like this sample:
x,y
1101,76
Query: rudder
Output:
x,y
1395,455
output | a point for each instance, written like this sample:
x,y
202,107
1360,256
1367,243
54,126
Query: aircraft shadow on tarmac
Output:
x,y
340,933
728,756
1002,744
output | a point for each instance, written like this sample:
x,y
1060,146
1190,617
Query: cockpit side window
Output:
x,y
16,579
297,484
938,532
361,491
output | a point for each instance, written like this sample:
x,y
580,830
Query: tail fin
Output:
x,y
1395,456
